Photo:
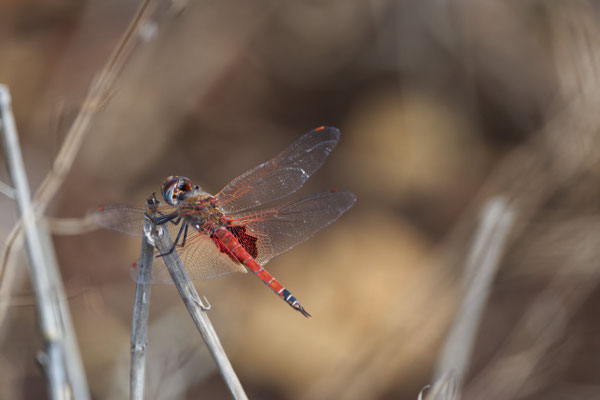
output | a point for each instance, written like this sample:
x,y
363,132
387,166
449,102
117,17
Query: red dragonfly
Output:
x,y
229,232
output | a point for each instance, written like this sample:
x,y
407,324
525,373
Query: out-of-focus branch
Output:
x,y
480,269
61,359
71,226
198,312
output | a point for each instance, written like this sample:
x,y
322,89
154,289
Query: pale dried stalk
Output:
x,y
198,313
481,267
61,359
139,329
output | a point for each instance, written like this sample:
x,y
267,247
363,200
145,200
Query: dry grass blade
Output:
x,y
97,95
61,359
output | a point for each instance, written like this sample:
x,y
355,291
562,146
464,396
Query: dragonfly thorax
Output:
x,y
200,211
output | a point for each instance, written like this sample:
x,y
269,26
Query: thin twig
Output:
x,y
198,312
99,90
71,226
139,331
61,359
480,270
7,190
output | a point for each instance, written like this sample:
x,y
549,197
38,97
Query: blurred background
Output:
x,y
442,105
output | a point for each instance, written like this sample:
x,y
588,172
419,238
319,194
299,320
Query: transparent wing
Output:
x,y
121,218
127,219
277,230
282,175
201,257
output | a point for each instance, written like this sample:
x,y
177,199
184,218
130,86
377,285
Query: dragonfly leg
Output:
x,y
185,233
176,222
166,218
172,249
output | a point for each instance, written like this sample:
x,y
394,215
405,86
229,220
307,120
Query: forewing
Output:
x,y
201,257
126,219
282,175
121,218
279,229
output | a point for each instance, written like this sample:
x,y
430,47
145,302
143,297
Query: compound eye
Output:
x,y
169,188
185,185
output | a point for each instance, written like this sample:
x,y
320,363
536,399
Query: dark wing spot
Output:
x,y
248,242
224,249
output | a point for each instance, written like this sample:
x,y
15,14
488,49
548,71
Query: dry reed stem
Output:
x,y
60,359
139,329
197,310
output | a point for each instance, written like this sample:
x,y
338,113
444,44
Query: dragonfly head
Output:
x,y
176,188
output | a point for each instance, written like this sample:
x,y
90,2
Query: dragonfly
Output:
x,y
238,229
